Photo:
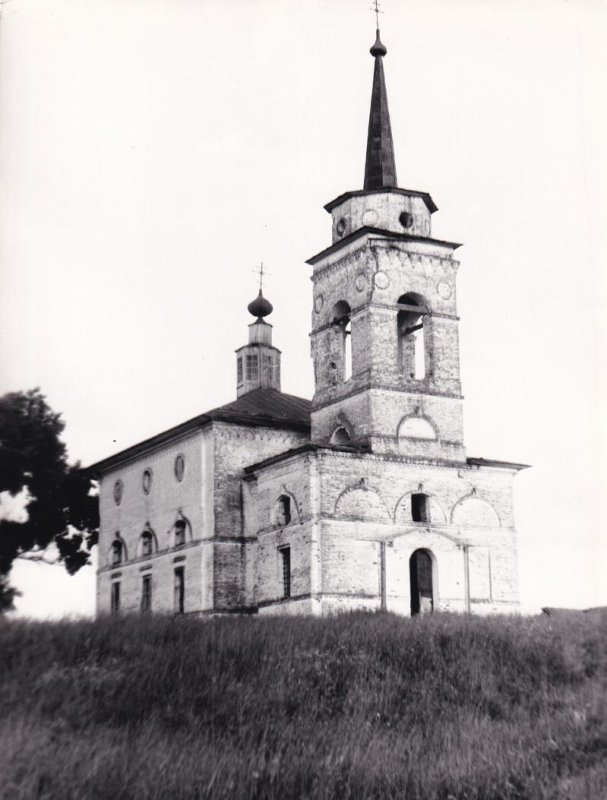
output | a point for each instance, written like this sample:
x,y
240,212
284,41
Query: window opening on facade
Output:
x,y
252,372
239,370
180,532
117,552
146,594
115,597
285,562
411,337
269,368
147,543
283,510
179,590
420,508
341,319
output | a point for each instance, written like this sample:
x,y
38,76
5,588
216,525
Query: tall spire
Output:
x,y
380,169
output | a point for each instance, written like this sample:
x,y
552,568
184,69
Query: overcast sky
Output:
x,y
153,153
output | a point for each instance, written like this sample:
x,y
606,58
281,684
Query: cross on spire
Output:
x,y
261,272
377,11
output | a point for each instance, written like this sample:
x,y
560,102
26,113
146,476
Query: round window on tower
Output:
x,y
179,467
340,228
406,219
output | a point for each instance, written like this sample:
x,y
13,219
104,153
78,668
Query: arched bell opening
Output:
x,y
411,336
341,320
422,576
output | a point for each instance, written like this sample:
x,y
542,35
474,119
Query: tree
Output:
x,y
60,506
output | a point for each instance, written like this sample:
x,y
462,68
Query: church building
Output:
x,y
364,497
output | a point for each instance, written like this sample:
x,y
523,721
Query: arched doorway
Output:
x,y
421,581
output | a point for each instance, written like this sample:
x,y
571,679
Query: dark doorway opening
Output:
x,y
422,589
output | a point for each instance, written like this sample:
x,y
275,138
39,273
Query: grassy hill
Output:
x,y
359,706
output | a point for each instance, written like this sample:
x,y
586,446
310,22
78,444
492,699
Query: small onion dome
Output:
x,y
260,307
378,48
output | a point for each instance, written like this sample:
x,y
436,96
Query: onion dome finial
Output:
x,y
378,49
260,307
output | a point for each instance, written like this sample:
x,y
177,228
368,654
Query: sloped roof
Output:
x,y
263,408
266,404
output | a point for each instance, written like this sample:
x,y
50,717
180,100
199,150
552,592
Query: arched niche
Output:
x,y
473,511
406,509
361,503
341,436
416,427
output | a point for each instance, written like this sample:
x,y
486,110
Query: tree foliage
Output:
x,y
60,507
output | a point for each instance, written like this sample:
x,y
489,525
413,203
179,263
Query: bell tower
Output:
x,y
384,324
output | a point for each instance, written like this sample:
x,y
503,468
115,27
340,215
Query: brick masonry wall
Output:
x,y
371,279
380,210
349,504
235,447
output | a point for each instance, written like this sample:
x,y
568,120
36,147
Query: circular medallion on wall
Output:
x,y
146,480
443,289
179,467
341,226
118,489
318,303
361,281
381,280
370,217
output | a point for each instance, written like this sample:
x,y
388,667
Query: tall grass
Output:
x,y
357,706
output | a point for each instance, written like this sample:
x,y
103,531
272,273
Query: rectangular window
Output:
x,y
239,370
252,367
146,594
179,603
285,559
420,511
115,597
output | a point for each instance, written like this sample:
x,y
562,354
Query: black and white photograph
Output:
x,y
303,441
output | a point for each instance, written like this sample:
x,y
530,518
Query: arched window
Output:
x,y
341,319
283,510
340,436
147,543
411,340
117,552
180,528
